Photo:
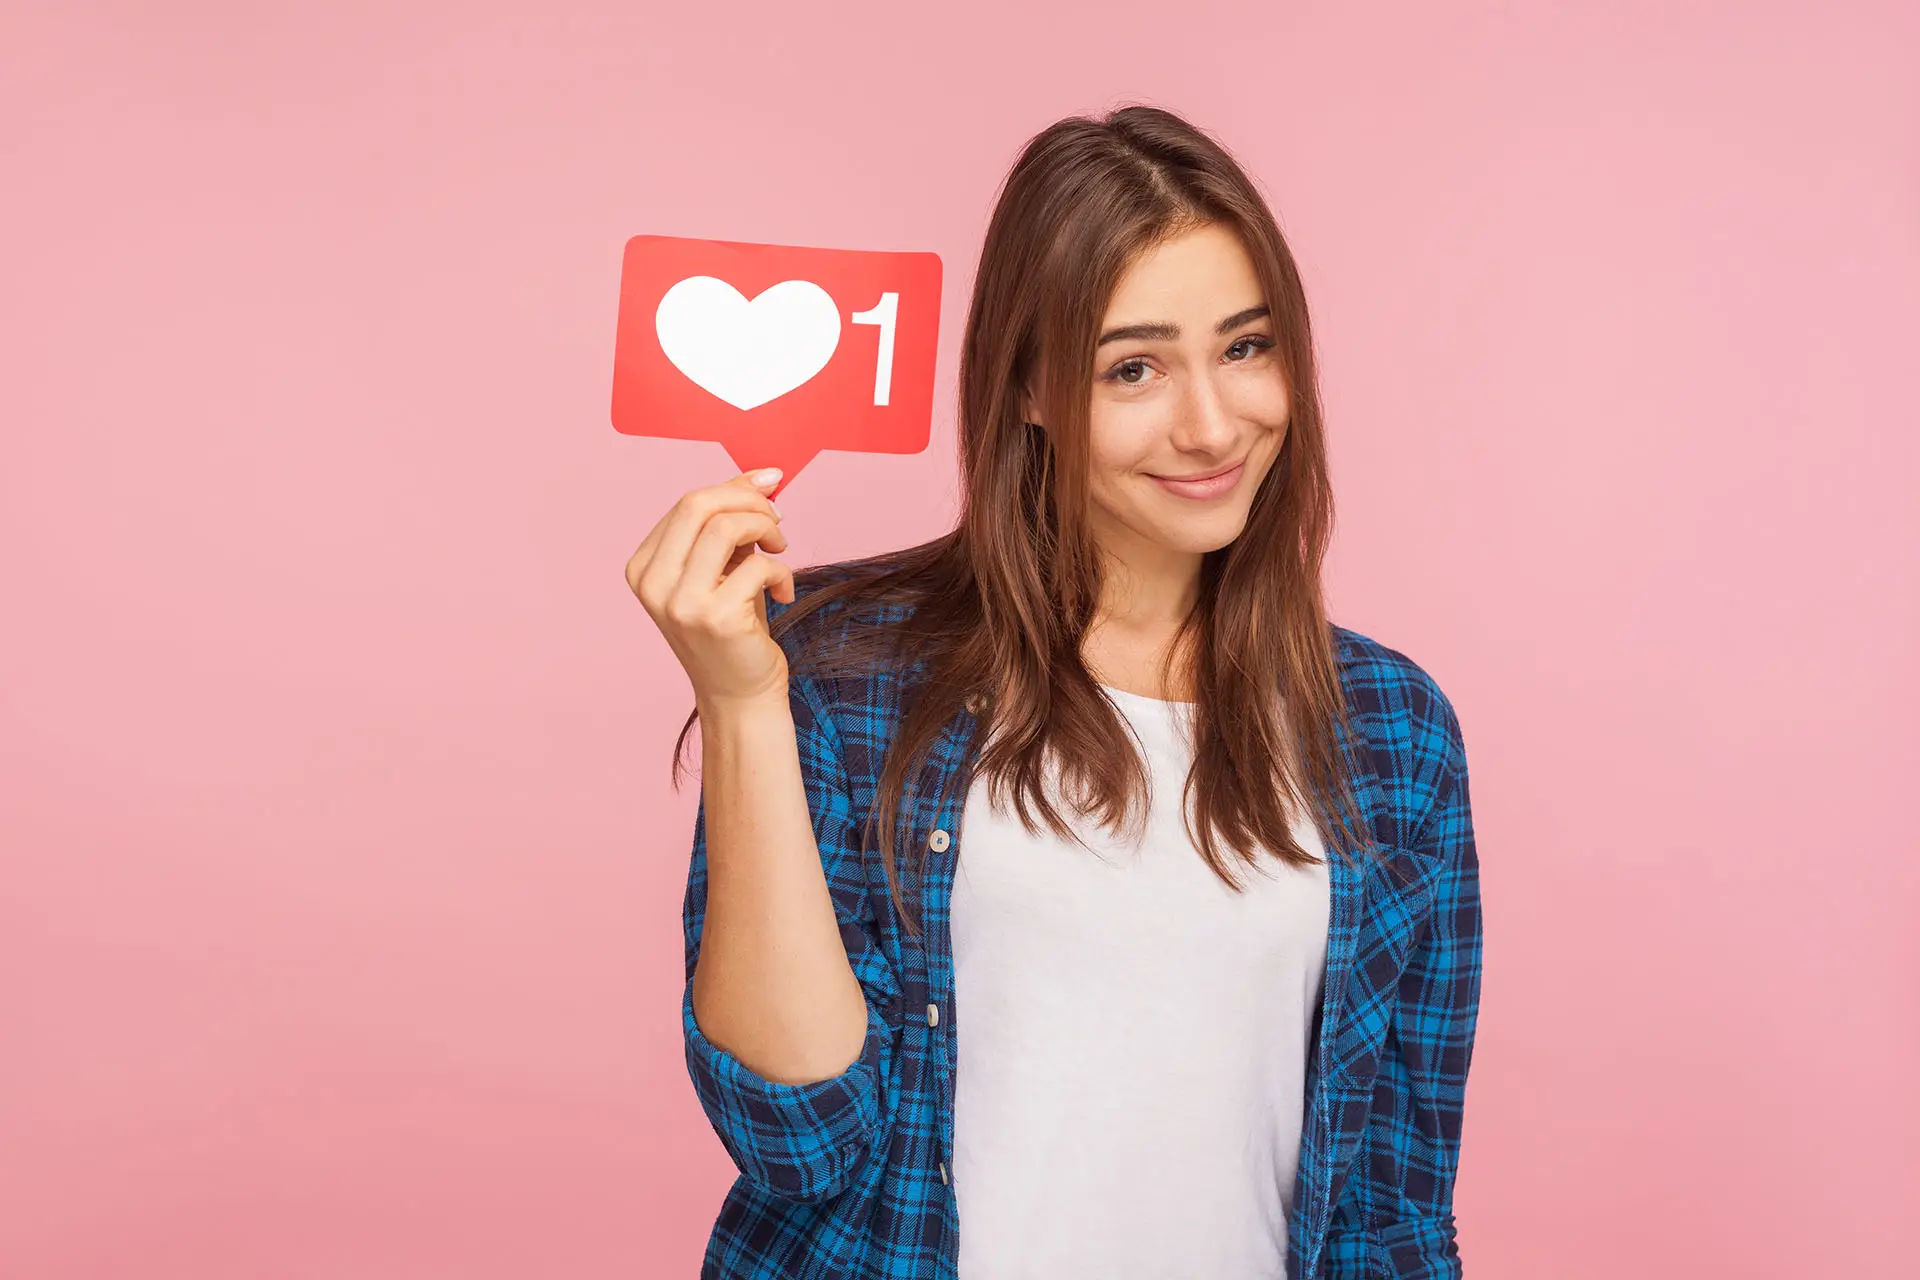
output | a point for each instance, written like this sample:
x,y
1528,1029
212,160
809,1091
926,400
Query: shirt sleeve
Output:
x,y
1413,1140
803,1142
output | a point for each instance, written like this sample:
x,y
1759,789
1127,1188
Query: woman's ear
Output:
x,y
1030,410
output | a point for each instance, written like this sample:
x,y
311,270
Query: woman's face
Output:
x,y
1186,384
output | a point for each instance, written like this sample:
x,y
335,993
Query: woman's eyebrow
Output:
x,y
1162,331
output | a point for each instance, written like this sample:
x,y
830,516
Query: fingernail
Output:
x,y
765,476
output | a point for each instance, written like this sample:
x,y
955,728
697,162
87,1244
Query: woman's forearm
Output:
x,y
772,983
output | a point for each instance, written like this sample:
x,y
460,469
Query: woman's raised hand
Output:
x,y
701,581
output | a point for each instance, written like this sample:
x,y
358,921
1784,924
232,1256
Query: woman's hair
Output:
x,y
997,608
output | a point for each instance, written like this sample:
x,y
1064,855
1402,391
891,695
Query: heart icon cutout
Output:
x,y
747,353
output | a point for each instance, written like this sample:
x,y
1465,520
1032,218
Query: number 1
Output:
x,y
883,314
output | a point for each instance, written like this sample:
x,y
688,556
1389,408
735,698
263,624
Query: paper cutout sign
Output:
x,y
775,351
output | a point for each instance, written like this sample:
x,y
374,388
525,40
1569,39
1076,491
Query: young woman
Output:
x,y
1213,929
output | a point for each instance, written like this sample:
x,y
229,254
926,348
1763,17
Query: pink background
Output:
x,y
339,913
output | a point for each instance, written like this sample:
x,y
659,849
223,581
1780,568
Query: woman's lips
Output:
x,y
1213,487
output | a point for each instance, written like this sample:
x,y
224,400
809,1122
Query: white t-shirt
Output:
x,y
1132,1040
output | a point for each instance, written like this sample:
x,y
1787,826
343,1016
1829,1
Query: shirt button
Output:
x,y
933,1015
938,841
943,1172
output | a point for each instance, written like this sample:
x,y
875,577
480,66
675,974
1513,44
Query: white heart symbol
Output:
x,y
747,353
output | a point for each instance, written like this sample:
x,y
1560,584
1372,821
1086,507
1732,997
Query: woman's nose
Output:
x,y
1204,419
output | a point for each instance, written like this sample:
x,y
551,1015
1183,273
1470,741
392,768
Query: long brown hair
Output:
x,y
997,609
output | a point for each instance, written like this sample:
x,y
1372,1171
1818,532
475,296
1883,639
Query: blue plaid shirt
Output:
x,y
849,1176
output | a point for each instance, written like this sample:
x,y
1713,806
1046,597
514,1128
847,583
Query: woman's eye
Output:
x,y
1121,370
1249,345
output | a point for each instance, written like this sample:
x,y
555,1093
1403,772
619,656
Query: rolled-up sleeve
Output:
x,y
1399,1221
803,1142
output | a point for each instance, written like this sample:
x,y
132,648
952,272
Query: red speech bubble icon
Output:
x,y
774,351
